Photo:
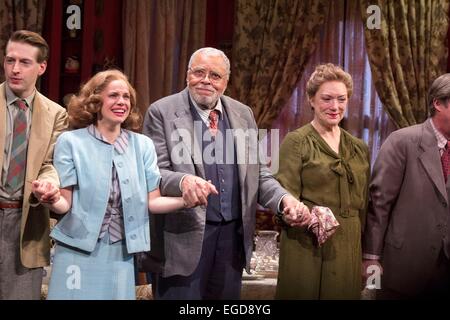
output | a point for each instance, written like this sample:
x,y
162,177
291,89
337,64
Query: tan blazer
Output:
x,y
408,221
48,121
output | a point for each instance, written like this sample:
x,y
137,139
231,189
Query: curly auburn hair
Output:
x,y
84,107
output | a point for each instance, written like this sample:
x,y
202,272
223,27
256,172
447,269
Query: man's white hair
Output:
x,y
208,51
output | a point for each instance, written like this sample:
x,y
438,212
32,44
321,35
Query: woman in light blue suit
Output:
x,y
109,180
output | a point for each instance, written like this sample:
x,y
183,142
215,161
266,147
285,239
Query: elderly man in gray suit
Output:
x,y
408,224
202,135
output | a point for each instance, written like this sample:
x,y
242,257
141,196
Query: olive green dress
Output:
x,y
311,171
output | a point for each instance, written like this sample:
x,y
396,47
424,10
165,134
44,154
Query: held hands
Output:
x,y
295,213
45,191
196,191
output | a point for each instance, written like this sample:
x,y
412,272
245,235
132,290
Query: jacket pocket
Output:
x,y
182,221
72,225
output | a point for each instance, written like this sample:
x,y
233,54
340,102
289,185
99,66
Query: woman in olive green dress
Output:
x,y
323,165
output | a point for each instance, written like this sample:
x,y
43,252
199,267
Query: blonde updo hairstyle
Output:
x,y
328,72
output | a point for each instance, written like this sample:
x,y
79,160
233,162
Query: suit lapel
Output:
x,y
242,151
40,136
193,144
186,129
431,160
2,123
41,131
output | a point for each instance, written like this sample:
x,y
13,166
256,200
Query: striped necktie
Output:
x,y
16,170
445,159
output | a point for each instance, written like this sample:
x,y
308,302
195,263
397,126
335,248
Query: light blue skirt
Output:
x,y
105,274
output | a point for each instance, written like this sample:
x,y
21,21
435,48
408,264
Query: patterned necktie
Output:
x,y
16,171
445,159
213,122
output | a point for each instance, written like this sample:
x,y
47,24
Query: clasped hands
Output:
x,y
295,213
45,191
196,191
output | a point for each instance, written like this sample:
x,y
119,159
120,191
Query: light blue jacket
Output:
x,y
85,163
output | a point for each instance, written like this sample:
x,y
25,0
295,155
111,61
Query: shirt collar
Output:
x,y
11,98
441,139
204,113
121,142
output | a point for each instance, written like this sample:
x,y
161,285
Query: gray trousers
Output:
x,y
16,281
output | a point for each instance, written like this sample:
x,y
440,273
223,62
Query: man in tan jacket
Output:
x,y
29,126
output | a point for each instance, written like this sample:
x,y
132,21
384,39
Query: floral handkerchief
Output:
x,y
323,224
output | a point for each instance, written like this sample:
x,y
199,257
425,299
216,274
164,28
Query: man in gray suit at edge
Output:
x,y
408,223
200,253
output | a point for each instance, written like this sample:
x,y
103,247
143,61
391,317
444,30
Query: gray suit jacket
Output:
x,y
409,218
176,238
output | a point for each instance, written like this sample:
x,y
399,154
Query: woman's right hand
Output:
x,y
51,197
45,191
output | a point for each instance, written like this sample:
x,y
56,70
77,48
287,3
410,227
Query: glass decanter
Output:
x,y
266,251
